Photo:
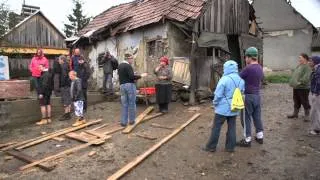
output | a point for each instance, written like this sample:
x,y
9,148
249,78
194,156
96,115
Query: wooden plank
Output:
x,y
28,159
138,120
78,137
143,156
112,130
58,134
147,118
34,139
7,144
145,136
66,152
99,127
160,126
59,139
96,134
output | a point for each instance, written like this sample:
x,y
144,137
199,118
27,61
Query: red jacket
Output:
x,y
34,65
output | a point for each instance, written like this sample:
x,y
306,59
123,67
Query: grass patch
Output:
x,y
277,78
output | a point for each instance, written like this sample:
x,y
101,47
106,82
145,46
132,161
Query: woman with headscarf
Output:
x,y
315,96
34,67
163,85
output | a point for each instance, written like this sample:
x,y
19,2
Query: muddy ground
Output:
x,y
286,154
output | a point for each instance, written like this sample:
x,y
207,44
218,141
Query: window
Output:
x,y
151,47
155,48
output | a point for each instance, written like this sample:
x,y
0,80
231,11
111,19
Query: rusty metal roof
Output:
x,y
135,14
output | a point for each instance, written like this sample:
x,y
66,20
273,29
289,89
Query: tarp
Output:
x,y
208,39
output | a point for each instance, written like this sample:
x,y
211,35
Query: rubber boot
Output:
x,y
307,115
294,114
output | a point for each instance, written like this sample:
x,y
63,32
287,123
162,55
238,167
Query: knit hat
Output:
x,y
316,59
165,60
252,52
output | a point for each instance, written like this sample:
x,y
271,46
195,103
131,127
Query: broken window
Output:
x,y
155,48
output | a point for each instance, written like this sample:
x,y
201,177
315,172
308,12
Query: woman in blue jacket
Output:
x,y
222,102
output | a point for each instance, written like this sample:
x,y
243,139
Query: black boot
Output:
x,y
294,114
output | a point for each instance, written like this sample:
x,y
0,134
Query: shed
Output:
x,y
316,45
198,31
22,41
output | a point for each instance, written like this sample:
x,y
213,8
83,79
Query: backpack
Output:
x,y
237,102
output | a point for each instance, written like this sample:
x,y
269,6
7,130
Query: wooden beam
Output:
x,y
28,159
58,134
139,119
99,127
160,126
96,134
152,116
59,139
143,156
7,144
66,152
145,136
34,139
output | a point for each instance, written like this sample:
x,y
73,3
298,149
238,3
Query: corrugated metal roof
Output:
x,y
140,13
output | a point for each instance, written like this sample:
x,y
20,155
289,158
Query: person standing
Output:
x,y
315,96
65,84
84,75
56,77
77,98
75,60
300,82
252,74
37,59
163,85
223,96
45,90
127,79
109,65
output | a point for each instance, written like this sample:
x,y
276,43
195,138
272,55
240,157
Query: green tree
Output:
x,y
13,19
4,12
77,20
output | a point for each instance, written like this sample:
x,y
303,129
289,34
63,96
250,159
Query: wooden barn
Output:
x,y
22,41
203,33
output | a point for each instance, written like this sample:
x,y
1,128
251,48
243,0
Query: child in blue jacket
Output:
x,y
222,102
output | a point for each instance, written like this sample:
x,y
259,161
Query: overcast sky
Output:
x,y
57,10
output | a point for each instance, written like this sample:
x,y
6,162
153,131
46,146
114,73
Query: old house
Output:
x,y
199,31
22,41
316,44
286,33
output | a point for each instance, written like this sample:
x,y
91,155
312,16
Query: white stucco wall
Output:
x,y
282,48
119,44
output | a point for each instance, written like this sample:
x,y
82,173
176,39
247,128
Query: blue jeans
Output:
x,y
128,102
252,112
215,133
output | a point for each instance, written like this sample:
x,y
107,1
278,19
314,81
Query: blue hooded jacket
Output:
x,y
225,88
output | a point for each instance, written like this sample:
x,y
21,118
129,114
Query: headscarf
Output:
x,y
316,60
165,60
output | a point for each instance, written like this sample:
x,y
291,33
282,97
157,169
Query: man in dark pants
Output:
x,y
84,75
109,65
252,74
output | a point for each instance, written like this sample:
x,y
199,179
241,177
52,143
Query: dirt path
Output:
x,y
286,154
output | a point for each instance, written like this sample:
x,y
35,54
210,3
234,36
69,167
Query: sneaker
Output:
x,y
123,125
313,133
42,122
49,120
131,122
244,143
208,149
259,140
79,122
